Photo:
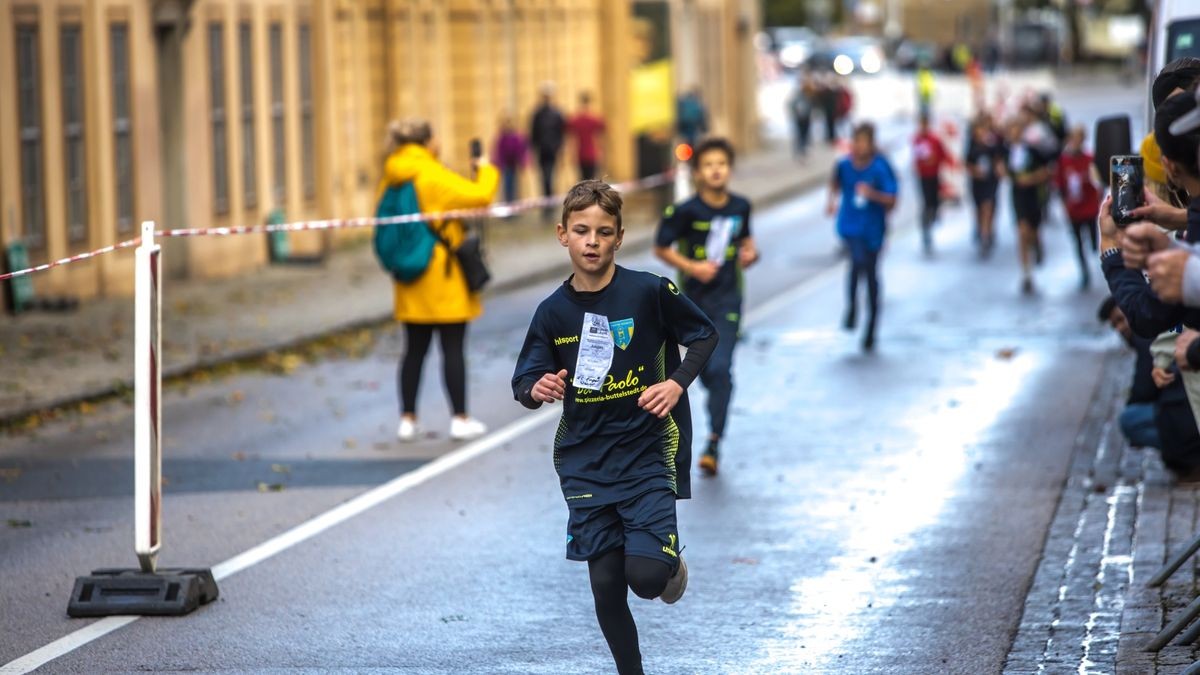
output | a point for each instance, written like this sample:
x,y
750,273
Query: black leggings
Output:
x,y
864,263
612,575
1081,229
454,367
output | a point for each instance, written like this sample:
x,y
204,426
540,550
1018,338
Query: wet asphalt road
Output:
x,y
877,513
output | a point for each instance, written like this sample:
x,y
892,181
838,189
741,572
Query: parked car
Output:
x,y
793,45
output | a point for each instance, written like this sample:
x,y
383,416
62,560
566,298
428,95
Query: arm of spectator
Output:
x,y
1161,213
1147,314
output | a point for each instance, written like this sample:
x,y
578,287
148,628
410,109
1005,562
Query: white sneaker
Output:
x,y
408,430
466,429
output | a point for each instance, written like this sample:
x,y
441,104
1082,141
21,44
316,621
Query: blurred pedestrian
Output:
x,y
984,159
866,187
827,98
607,343
925,89
1075,180
929,155
547,131
707,239
438,301
800,108
691,116
587,128
510,156
1028,167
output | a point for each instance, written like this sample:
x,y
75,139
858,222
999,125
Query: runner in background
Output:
x,y
707,239
1075,180
929,155
866,187
984,164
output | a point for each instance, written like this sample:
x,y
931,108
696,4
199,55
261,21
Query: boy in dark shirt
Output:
x,y
606,343
707,238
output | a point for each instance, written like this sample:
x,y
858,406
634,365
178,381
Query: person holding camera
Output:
x,y
439,301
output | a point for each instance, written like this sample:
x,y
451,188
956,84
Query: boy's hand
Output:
x,y
1162,377
659,399
552,387
747,255
703,271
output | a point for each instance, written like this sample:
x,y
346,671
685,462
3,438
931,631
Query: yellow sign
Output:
x,y
652,106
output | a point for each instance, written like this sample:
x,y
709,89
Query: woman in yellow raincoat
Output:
x,y
439,300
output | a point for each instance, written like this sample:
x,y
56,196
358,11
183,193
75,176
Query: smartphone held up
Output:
x,y
1127,182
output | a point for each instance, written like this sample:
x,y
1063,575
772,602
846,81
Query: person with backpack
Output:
x,y
431,294
691,116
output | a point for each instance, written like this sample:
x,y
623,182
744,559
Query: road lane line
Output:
x,y
66,644
373,497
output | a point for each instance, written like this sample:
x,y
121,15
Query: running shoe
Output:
x,y
676,585
708,461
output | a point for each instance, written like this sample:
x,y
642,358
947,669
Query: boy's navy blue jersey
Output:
x,y
687,225
607,448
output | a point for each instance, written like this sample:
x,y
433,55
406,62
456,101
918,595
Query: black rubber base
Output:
x,y
167,592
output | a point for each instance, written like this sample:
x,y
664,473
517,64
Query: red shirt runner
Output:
x,y
1073,179
929,154
587,128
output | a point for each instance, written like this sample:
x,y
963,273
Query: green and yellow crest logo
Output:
x,y
622,332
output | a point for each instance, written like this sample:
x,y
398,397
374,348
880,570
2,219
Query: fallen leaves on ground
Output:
x,y
10,474
281,468
1007,353
270,487
19,524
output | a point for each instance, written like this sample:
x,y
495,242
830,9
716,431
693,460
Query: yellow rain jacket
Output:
x,y
438,296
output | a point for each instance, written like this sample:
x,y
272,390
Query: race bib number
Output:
x,y
595,352
721,231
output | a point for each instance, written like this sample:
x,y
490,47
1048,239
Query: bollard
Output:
x,y
146,590
1173,629
683,173
1163,574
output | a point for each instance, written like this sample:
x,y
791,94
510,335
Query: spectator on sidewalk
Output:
x,y
691,117
439,300
587,128
547,131
1137,419
800,109
866,186
1074,178
510,155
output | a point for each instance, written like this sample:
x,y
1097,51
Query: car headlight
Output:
x,y
871,63
792,55
843,65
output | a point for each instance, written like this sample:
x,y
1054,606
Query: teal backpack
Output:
x,y
403,249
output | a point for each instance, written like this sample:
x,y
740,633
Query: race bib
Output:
x,y
721,231
595,352
1074,187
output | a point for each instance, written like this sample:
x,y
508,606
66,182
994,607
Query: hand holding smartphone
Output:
x,y
1126,180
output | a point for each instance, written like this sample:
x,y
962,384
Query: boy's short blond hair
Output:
x,y
593,192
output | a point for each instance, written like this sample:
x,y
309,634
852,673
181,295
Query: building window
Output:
x,y
220,149
122,128
33,213
71,55
307,140
249,158
278,130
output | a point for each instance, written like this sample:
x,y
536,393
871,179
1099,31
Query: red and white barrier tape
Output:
x,y
496,211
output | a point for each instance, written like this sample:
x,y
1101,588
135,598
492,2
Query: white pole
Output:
x,y
683,180
147,417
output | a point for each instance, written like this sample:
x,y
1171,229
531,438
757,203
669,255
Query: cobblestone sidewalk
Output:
x,y
1089,609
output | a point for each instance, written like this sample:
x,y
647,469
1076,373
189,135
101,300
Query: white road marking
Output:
x,y
368,499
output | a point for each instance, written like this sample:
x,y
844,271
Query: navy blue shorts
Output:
x,y
644,525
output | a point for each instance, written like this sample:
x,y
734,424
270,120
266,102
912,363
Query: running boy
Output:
x,y
707,238
606,343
